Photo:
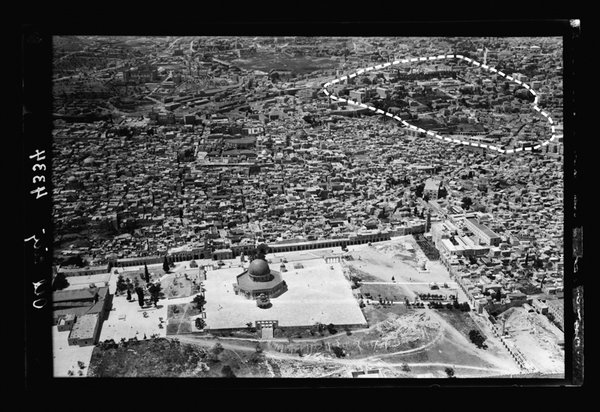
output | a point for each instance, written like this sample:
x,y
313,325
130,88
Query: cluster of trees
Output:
x,y
477,338
259,253
338,351
199,301
466,203
431,296
321,328
200,323
416,304
125,285
355,282
155,290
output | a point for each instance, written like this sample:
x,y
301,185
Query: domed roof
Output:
x,y
258,267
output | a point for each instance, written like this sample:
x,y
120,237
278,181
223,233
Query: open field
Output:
x,y
127,320
401,259
423,339
537,338
179,318
456,348
394,293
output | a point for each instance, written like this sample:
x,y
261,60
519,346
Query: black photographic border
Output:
x,y
36,70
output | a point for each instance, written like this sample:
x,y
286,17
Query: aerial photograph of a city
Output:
x,y
307,207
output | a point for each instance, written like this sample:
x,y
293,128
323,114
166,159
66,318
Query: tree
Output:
x,y
339,352
155,290
199,301
146,274
331,329
476,337
121,284
261,251
449,372
200,323
60,281
140,293
466,202
166,267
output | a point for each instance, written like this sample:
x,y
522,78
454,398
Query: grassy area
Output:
x,y
178,318
445,350
162,357
378,313
386,292
461,321
179,287
361,274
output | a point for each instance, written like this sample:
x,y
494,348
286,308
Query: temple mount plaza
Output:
x,y
307,290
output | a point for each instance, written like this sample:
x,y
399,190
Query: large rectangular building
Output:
x,y
482,232
86,330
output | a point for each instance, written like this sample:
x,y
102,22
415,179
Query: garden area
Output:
x,y
394,293
181,285
179,318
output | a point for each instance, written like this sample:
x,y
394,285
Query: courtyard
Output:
x,y
318,292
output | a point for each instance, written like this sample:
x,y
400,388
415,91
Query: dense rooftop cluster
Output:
x,y
223,153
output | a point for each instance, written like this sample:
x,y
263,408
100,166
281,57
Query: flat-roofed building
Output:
x,y
86,330
482,232
432,188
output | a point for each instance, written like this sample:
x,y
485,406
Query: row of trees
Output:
x,y
463,307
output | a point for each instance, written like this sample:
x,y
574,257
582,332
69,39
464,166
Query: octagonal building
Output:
x,y
259,279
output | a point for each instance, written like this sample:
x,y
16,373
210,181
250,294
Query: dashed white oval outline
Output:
x,y
428,132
